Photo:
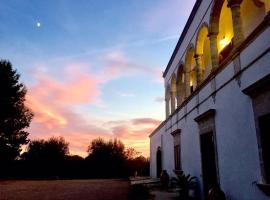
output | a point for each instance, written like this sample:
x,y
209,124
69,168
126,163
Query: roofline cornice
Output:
x,y
183,34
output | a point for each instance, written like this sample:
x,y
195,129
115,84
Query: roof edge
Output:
x,y
183,34
158,128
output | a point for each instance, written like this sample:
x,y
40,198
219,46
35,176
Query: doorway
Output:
x,y
159,162
264,125
208,156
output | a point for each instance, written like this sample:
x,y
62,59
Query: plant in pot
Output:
x,y
186,183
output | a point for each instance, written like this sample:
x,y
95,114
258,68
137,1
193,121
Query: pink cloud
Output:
x,y
53,99
118,64
143,121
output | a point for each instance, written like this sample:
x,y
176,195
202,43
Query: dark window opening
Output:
x,y
264,125
209,169
177,160
159,162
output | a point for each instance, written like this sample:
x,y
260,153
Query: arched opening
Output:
x,y
180,84
168,100
159,162
203,52
253,13
221,25
225,34
173,93
266,5
190,71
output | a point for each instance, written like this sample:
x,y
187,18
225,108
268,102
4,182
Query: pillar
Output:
x,y
173,96
199,70
237,21
167,107
214,50
187,83
179,94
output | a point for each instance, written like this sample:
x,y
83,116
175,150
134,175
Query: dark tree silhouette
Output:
x,y
54,149
14,115
47,158
107,158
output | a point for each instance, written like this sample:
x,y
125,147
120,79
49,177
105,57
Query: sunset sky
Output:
x,y
93,68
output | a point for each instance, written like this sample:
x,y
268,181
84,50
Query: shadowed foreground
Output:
x,y
65,189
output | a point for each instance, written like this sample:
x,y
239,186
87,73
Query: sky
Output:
x,y
93,68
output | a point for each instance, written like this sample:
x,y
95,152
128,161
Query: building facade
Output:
x,y
217,94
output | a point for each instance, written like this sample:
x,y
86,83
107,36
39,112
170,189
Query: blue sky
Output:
x,y
93,67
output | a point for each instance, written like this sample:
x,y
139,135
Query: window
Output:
x,y
177,157
209,161
177,149
260,95
264,126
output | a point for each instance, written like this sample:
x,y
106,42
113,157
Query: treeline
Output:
x,y
50,159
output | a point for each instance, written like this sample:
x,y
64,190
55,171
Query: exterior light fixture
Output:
x,y
224,42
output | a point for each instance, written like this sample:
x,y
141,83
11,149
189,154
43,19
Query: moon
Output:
x,y
38,24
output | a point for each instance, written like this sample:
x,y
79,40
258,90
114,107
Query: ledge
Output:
x,y
257,86
176,132
265,188
209,113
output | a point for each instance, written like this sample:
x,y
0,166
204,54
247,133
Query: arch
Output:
x,y
266,5
259,3
173,83
203,51
215,15
252,13
168,100
190,70
202,34
220,31
180,84
173,93
159,161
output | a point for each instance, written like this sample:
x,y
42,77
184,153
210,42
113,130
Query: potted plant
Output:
x,y
186,183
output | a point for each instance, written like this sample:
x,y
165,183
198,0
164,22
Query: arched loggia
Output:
x,y
252,14
180,84
190,71
221,32
203,52
173,93
168,100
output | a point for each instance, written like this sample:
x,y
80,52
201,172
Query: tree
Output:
x,y
131,153
107,158
15,117
47,158
54,149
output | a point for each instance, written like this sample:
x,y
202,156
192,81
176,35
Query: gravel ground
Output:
x,y
65,189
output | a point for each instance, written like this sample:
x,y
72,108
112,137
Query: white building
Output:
x,y
217,93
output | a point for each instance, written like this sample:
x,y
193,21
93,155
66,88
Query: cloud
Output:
x,y
159,99
135,132
145,121
118,64
54,98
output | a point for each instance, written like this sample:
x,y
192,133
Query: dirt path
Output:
x,y
64,189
